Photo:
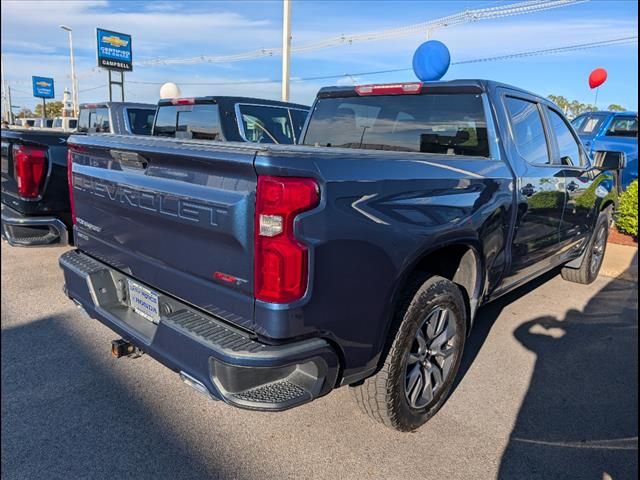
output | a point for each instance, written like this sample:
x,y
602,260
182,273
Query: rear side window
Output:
x,y
95,120
267,124
528,130
140,120
73,123
567,143
623,127
450,124
199,121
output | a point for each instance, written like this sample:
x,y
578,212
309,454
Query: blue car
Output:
x,y
616,131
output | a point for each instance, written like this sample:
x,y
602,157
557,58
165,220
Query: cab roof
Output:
x,y
451,86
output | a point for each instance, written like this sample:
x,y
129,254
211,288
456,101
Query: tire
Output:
x,y
392,396
596,248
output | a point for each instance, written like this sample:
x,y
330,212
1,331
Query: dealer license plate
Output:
x,y
144,301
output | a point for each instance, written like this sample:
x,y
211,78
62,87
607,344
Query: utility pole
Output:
x,y
74,80
6,96
286,49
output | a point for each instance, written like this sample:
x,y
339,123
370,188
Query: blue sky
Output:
x,y
33,44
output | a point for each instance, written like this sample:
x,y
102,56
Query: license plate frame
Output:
x,y
144,301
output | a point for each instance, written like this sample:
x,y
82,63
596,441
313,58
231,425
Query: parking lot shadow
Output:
x,y
66,416
579,418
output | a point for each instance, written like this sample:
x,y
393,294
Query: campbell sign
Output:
x,y
114,50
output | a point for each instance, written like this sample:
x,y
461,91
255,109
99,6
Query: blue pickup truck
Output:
x,y
268,275
612,131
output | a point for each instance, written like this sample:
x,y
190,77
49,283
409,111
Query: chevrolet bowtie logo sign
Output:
x,y
115,41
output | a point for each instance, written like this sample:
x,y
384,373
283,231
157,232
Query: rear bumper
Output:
x,y
210,355
31,231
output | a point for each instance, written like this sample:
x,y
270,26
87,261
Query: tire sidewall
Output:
x,y
602,222
435,292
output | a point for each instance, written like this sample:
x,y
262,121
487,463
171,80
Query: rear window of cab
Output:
x,y
449,124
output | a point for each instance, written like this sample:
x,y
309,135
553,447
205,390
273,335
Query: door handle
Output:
x,y
528,190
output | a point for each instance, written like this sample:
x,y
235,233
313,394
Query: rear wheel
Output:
x,y
423,360
592,262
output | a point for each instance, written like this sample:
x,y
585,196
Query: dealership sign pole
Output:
x,y
43,88
114,54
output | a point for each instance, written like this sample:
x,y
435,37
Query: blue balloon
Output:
x,y
431,61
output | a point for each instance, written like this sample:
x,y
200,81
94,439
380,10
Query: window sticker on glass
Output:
x,y
590,125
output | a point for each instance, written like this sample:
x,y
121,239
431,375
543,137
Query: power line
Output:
x,y
92,88
466,16
569,48
531,53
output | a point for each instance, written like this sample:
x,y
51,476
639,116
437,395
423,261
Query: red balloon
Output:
x,y
597,77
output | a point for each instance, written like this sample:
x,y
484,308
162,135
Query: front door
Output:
x,y
579,215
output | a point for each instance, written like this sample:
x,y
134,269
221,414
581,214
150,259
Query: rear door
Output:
x,y
540,190
175,215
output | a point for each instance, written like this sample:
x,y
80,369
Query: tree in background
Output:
x,y
54,109
573,108
24,113
560,101
576,108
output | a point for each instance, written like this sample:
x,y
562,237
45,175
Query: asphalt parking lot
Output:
x,y
548,389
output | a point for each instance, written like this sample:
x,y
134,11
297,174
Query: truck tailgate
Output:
x,y
176,216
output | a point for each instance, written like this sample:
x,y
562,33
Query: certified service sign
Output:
x,y
42,87
114,50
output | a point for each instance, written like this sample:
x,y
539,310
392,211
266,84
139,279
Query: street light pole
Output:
x,y
74,85
286,49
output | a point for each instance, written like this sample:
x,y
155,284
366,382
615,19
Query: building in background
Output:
x,y
67,107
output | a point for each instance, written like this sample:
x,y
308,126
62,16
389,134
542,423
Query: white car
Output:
x,y
66,124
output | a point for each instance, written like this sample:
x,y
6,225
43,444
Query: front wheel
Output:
x,y
594,256
421,364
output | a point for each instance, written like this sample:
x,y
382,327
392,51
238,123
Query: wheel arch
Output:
x,y
459,261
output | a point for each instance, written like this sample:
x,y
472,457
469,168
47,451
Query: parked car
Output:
x,y
35,193
116,117
612,131
232,119
268,275
66,124
42,123
25,122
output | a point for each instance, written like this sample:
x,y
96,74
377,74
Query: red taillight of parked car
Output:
x,y
280,260
70,182
30,169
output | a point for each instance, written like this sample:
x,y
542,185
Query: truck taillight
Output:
x,y
280,260
70,181
412,88
30,169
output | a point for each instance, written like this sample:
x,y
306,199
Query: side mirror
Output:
x,y
607,160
